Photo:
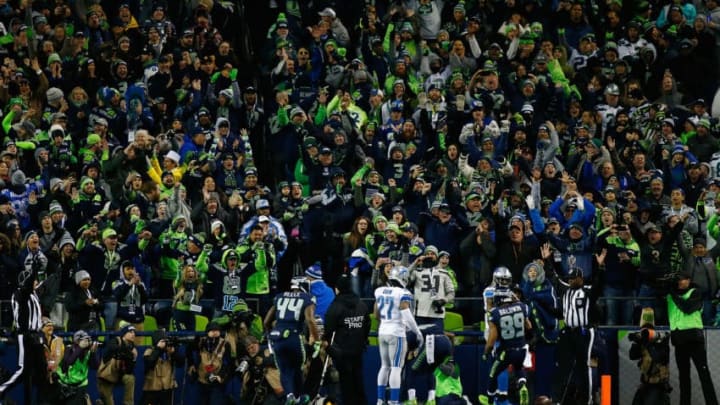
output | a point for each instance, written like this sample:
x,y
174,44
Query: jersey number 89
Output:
x,y
512,326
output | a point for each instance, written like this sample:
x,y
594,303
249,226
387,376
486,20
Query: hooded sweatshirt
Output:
x,y
542,303
131,299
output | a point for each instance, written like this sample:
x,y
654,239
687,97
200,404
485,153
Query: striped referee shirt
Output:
x,y
26,312
576,307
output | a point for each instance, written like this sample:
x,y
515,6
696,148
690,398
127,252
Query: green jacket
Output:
x,y
447,384
172,245
77,372
685,311
260,261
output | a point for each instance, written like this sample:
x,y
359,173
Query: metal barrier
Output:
x,y
207,305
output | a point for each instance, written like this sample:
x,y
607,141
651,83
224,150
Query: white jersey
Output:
x,y
429,284
488,300
388,300
608,113
715,165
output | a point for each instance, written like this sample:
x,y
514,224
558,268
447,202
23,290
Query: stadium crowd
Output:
x,y
184,158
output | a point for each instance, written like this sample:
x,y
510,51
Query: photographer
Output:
x,y
652,350
54,348
118,366
209,359
259,373
74,368
160,363
432,289
240,324
684,303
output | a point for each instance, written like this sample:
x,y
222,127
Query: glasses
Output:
x,y
24,83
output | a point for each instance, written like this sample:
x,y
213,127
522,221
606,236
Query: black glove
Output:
x,y
333,351
447,368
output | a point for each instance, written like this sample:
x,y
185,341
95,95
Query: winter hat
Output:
x,y
431,249
81,275
28,235
54,182
108,233
227,93
174,156
378,218
392,226
18,178
93,139
57,129
80,335
27,125
407,27
66,240
53,58
296,111
216,224
54,95
85,181
127,327
343,284
213,326
198,238
314,271
38,151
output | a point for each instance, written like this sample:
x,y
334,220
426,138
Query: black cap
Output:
x,y
575,272
344,284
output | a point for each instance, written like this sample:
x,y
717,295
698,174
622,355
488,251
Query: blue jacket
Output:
x,y
581,250
445,237
542,303
324,296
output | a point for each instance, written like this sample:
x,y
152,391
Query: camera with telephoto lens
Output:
x,y
171,341
647,335
244,365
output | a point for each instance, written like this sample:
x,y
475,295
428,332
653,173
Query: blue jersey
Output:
x,y
510,323
290,309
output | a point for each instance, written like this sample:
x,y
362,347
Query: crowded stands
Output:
x,y
174,159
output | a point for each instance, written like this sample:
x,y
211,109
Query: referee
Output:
x,y
574,376
28,323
